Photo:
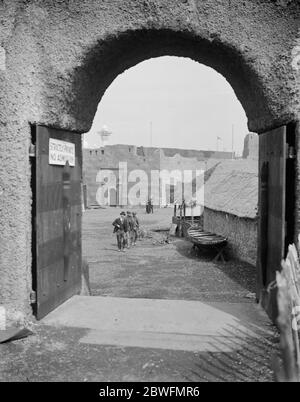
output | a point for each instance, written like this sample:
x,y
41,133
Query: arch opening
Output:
x,y
169,156
109,58
166,95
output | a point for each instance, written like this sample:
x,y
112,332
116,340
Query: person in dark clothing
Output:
x,y
130,224
149,206
136,227
120,229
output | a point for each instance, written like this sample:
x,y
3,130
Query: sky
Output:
x,y
183,104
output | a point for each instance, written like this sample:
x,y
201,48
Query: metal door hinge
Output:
x,y
32,297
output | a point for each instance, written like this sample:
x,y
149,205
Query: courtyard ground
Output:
x,y
156,270
159,313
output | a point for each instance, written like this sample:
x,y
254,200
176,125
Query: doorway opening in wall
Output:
x,y
172,131
169,143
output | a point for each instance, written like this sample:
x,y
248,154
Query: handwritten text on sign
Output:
x,y
60,152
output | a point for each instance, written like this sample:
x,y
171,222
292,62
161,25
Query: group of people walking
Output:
x,y
126,228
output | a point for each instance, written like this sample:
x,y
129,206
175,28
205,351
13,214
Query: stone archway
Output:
x,y
59,58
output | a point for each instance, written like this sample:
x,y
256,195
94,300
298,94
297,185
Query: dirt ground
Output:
x,y
152,269
158,270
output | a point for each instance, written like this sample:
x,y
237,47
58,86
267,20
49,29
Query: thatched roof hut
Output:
x,y
233,188
231,199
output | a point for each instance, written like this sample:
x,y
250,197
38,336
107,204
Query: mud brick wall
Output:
x,y
241,233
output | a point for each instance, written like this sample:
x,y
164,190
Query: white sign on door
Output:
x,y
60,152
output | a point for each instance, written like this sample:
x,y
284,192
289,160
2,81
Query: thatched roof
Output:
x,y
233,188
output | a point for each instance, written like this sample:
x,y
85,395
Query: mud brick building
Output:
x,y
231,206
147,160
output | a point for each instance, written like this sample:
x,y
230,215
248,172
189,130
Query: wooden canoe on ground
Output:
x,y
202,238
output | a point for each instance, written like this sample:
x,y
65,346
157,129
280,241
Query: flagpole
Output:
x,y
151,134
232,141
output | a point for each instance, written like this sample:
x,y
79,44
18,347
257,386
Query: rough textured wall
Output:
x,y
66,53
58,57
241,233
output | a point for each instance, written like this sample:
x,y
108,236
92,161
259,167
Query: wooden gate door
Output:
x,y
57,218
271,223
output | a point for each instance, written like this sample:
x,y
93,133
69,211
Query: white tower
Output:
x,y
105,135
